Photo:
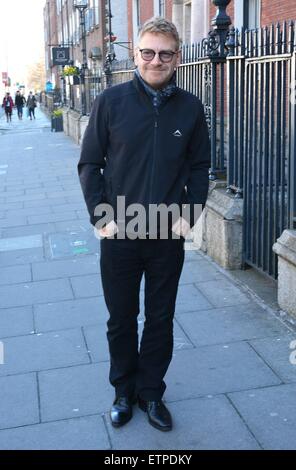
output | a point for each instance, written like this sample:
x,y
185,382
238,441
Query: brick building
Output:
x,y
62,28
50,37
257,13
192,17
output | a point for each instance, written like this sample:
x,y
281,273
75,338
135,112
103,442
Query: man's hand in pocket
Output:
x,y
181,228
108,231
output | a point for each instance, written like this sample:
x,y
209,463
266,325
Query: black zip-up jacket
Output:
x,y
148,155
20,100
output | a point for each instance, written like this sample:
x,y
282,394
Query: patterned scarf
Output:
x,y
159,96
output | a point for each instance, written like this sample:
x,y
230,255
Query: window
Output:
x,y
59,5
253,14
162,8
76,27
247,14
71,29
187,22
136,19
138,12
97,12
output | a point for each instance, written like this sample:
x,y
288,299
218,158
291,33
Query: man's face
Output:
x,y
155,72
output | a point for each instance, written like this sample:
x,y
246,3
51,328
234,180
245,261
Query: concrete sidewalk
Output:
x,y
231,384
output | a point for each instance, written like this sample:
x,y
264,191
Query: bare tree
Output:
x,y
36,76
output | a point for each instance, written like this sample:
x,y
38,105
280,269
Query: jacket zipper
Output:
x,y
154,154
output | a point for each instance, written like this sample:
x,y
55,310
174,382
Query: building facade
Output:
x,y
252,14
50,38
192,18
62,28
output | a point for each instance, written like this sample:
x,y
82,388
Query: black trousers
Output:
x,y
32,112
140,369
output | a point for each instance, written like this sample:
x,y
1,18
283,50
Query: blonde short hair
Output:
x,y
160,25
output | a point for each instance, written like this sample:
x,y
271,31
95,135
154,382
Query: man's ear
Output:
x,y
179,58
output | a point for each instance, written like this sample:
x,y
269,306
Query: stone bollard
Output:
x,y
285,248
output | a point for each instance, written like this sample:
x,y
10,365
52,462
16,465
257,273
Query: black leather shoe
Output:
x,y
158,414
121,411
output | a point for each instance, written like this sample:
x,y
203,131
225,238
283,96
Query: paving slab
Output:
x,y
26,198
35,292
279,354
271,415
216,369
72,207
202,270
88,264
45,202
190,299
87,286
26,230
18,401
247,321
16,321
75,391
29,211
70,314
222,293
43,351
15,221
56,217
15,274
72,225
17,257
87,433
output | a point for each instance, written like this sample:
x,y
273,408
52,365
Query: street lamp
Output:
x,y
81,6
110,56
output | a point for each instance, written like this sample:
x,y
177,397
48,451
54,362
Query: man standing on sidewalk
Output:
x,y
146,140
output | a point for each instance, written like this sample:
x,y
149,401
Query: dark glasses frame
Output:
x,y
164,56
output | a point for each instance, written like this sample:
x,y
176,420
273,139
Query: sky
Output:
x,y
21,36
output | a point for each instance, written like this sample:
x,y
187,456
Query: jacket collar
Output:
x,y
157,97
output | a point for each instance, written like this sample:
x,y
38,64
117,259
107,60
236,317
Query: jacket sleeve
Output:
x,y
92,158
199,154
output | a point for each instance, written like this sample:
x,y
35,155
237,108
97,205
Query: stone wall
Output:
x,y
285,248
219,233
74,124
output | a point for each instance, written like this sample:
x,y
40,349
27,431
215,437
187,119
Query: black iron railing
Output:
x,y
261,136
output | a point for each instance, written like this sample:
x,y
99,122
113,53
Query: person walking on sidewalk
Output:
x,y
146,140
20,102
7,104
31,105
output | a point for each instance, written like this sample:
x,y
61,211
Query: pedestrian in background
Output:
x,y
31,105
146,140
20,102
7,104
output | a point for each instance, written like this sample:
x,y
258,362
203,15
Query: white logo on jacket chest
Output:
x,y
177,133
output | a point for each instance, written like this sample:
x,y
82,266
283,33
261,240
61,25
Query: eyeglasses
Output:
x,y
164,56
